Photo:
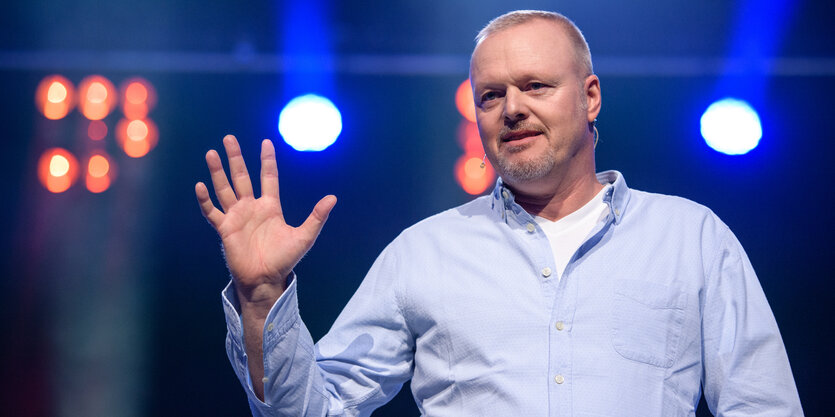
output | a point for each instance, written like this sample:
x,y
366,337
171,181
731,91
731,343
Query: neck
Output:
x,y
555,198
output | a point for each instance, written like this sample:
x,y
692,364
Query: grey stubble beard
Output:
x,y
527,169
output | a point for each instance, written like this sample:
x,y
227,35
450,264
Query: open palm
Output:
x,y
261,249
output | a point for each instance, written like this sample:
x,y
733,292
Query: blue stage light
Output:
x,y
731,126
310,123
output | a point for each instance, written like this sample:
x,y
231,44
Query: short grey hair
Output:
x,y
517,17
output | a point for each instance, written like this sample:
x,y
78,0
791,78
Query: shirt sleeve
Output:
x,y
358,366
746,369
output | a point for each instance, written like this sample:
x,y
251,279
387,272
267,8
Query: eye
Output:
x,y
490,95
536,86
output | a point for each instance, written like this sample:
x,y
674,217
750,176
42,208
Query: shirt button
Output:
x,y
617,212
504,194
546,272
270,327
531,227
265,380
559,379
559,325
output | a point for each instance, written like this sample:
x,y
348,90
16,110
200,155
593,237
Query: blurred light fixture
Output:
x,y
97,97
310,123
472,171
136,137
731,126
54,97
471,176
96,130
100,168
138,98
57,169
469,139
464,100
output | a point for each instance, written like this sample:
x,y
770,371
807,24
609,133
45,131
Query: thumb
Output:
x,y
317,218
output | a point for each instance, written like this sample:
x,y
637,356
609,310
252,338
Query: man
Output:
x,y
561,293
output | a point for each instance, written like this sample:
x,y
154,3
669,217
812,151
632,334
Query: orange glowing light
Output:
x,y
96,130
58,165
54,97
97,184
96,93
98,96
57,92
469,139
464,100
136,137
100,172
137,130
57,169
471,176
98,166
136,93
138,97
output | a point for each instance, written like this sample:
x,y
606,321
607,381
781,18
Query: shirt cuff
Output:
x,y
283,314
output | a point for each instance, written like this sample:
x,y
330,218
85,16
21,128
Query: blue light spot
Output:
x,y
310,123
731,126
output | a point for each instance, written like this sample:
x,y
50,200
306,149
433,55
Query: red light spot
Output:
x,y
57,169
54,97
137,130
136,93
97,184
138,98
471,176
96,130
464,100
98,96
469,139
136,137
98,166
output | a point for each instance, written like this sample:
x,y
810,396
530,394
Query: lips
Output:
x,y
519,135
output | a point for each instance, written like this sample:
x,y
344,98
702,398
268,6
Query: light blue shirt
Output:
x,y
658,302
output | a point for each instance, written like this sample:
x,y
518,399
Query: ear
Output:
x,y
592,96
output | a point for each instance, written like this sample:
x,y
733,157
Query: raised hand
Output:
x,y
261,249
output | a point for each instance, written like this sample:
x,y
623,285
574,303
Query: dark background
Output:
x,y
111,302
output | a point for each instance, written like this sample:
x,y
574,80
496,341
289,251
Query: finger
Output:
x,y
223,191
210,212
237,167
269,170
314,223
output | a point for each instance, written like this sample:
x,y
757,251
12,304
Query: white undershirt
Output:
x,y
568,233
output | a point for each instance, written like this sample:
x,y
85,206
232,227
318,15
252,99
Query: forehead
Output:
x,y
535,47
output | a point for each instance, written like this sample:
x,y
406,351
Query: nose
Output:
x,y
515,108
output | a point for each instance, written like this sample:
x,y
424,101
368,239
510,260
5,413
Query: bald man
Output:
x,y
563,292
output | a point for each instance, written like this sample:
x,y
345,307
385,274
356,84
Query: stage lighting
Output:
x,y
464,100
469,138
99,172
471,176
96,130
97,96
731,126
57,169
54,97
310,123
136,137
138,98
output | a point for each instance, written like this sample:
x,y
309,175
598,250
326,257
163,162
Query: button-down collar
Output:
x,y
617,198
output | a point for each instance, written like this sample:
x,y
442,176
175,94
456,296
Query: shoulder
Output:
x,y
457,221
665,208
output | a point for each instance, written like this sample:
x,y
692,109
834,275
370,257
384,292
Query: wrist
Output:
x,y
257,301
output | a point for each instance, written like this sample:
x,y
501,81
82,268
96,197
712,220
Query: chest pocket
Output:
x,y
647,321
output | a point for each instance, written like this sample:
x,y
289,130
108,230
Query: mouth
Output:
x,y
519,135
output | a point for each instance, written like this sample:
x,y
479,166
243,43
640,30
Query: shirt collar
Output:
x,y
617,198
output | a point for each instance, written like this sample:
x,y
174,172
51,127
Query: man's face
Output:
x,y
531,100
